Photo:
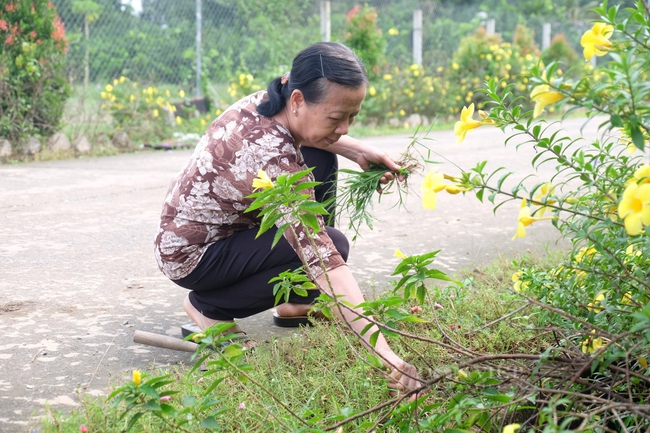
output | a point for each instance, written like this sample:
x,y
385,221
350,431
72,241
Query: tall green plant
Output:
x,y
33,86
364,37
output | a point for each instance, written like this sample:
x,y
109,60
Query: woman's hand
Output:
x,y
370,154
364,155
403,377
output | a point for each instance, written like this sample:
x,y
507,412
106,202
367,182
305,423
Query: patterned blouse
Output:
x,y
206,200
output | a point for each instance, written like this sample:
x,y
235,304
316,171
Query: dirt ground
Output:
x,y
78,274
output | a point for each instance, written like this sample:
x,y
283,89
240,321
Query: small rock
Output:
x,y
5,148
394,122
81,144
122,141
126,322
29,386
58,141
31,146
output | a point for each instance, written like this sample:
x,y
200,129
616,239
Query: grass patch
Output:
x,y
322,374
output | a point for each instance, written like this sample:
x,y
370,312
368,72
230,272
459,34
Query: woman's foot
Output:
x,y
290,315
205,322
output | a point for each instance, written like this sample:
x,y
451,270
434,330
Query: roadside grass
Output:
x,y
321,374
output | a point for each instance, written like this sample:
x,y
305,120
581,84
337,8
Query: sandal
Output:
x,y
292,321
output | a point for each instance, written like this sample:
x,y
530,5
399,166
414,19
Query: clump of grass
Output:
x,y
355,193
321,375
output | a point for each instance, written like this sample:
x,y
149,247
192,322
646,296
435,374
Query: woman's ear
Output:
x,y
296,100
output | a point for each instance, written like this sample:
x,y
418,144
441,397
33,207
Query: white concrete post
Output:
x,y
546,36
325,21
198,48
417,36
491,26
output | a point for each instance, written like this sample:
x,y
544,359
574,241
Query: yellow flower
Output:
x,y
372,91
155,112
465,123
137,377
402,113
181,94
400,254
455,66
115,82
132,98
168,94
585,253
591,344
524,219
627,299
542,193
598,300
122,79
388,77
542,96
262,181
393,32
179,120
440,69
203,122
634,208
596,40
433,183
518,284
454,188
462,374
642,175
218,112
103,95
510,428
109,88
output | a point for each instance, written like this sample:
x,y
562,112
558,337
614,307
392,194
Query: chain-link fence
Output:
x,y
156,40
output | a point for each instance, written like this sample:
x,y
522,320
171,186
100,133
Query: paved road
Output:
x,y
78,276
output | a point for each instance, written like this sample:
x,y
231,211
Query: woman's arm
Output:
x,y
343,285
363,154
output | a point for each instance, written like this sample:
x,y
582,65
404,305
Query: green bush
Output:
x,y
362,35
481,57
33,86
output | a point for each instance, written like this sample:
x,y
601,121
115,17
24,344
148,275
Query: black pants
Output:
x,y
232,278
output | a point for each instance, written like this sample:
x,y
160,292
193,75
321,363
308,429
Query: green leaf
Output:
x,y
637,137
421,293
146,389
210,423
373,338
133,420
616,121
188,401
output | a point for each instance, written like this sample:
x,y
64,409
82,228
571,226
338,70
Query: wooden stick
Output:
x,y
163,341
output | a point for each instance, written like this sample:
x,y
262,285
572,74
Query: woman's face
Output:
x,y
321,125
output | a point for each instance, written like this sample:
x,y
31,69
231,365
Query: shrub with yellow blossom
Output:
x,y
481,57
243,84
597,300
145,113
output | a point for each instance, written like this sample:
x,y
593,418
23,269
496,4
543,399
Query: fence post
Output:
x,y
546,36
490,27
198,48
325,21
417,37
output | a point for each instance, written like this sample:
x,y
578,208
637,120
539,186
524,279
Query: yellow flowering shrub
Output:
x,y
146,113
